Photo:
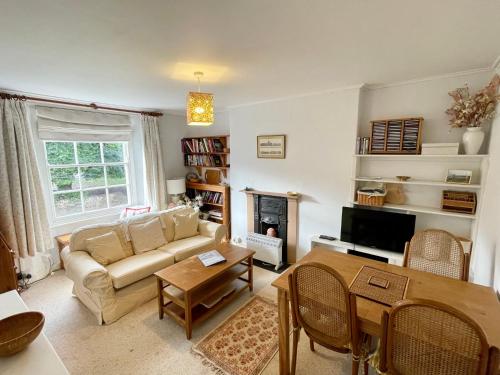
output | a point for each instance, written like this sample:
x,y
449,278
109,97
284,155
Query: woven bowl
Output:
x,y
18,331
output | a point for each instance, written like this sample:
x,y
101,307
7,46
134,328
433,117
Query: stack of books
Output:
x,y
378,136
215,214
410,137
394,134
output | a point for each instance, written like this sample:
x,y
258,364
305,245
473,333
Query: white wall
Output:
x,y
428,99
321,132
219,127
486,260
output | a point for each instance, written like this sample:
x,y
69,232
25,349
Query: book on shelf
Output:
x,y
362,145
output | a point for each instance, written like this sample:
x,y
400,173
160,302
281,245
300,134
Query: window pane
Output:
x,y
64,179
60,153
118,196
94,199
88,153
113,152
116,175
92,176
67,203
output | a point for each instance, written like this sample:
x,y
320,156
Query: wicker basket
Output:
x,y
371,199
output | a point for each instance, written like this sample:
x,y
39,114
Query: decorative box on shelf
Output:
x,y
459,201
396,136
440,148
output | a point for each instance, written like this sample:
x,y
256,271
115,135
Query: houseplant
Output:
x,y
472,111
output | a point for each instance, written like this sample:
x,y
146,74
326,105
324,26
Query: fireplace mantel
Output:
x,y
283,195
292,219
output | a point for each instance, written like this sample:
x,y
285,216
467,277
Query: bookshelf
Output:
x,y
215,198
207,152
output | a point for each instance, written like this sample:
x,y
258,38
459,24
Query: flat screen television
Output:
x,y
376,228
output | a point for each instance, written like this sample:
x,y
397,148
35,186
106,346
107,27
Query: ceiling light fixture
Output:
x,y
200,106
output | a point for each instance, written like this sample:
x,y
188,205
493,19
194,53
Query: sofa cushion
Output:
x,y
187,247
129,270
106,248
79,236
186,225
147,236
168,221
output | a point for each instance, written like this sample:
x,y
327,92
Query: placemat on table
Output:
x,y
394,291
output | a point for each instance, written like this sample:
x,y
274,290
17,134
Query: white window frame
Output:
x,y
89,214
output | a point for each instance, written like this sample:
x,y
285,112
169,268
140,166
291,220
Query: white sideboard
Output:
x,y
38,358
337,245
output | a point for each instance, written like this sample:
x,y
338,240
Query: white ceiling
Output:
x,y
127,52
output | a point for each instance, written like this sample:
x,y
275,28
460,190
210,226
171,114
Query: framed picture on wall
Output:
x,y
271,146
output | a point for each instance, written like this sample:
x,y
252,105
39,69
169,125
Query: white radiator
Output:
x,y
267,249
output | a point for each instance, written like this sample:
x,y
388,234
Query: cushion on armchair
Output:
x,y
106,248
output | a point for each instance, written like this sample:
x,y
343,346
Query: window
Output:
x,y
87,176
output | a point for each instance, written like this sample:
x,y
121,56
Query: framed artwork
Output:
x,y
271,146
459,176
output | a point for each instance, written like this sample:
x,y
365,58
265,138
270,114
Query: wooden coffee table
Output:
x,y
185,286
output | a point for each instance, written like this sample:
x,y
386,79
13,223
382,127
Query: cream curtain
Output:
x,y
23,217
153,165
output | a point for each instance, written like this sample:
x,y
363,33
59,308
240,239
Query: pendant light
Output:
x,y
200,106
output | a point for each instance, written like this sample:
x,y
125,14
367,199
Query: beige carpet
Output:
x,y
139,343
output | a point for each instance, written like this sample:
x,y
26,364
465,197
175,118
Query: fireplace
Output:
x,y
274,210
271,212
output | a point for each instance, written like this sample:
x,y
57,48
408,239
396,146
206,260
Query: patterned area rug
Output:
x,y
245,343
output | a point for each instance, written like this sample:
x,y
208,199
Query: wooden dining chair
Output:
x,y
423,337
323,306
438,252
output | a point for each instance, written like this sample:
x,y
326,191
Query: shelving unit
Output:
x,y
195,188
207,152
424,189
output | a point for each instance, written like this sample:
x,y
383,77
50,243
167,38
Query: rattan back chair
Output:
x,y
323,306
423,337
438,252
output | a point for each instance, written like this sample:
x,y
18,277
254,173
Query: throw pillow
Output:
x,y
106,248
185,225
147,236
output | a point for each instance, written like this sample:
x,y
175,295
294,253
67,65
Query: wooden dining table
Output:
x,y
477,301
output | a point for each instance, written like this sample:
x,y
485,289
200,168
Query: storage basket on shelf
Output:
x,y
371,197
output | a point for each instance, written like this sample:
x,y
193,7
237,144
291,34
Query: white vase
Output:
x,y
473,139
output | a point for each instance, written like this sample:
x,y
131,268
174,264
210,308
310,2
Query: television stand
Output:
x,y
390,257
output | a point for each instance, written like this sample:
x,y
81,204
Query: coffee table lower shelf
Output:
x,y
187,307
199,313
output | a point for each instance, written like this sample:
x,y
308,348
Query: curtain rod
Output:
x,y
4,95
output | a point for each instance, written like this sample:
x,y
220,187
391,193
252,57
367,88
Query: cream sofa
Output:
x,y
114,290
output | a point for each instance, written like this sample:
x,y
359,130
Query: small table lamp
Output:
x,y
176,188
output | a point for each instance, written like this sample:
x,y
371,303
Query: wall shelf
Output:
x,y
421,157
424,210
418,182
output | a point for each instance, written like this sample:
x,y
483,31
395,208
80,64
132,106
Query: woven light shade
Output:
x,y
200,109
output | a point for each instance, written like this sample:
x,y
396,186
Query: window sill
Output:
x,y
87,218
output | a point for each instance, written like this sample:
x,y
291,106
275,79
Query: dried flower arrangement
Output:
x,y
471,112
